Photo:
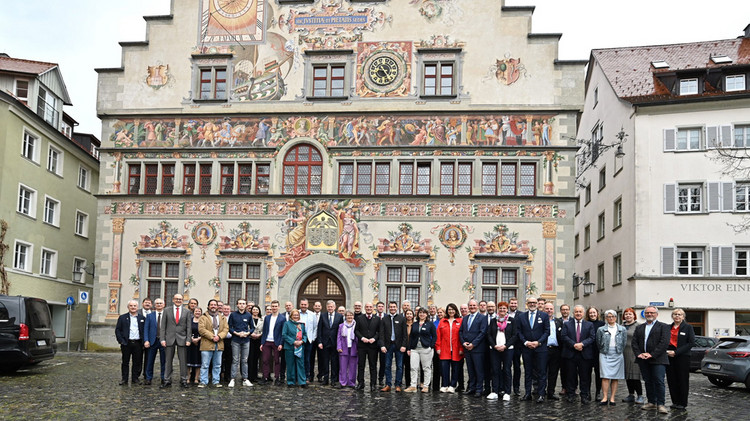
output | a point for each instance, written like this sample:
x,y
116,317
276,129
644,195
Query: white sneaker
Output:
x,y
492,396
246,382
450,389
506,397
443,389
231,383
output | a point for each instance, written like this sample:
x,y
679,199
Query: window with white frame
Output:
x,y
689,198
51,211
22,256
47,107
600,277
30,147
617,269
601,227
741,136
48,264
163,279
83,178
735,83
78,267
689,139
243,281
742,197
688,86
404,283
689,261
22,90
741,260
82,224
26,201
55,161
617,214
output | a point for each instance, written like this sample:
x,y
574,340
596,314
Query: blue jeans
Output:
x,y
208,358
389,354
653,377
240,352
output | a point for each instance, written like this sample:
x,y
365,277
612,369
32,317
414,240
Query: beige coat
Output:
x,y
206,330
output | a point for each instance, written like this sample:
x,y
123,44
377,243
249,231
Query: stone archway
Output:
x,y
322,286
352,283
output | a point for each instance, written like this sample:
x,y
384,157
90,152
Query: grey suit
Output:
x,y
176,334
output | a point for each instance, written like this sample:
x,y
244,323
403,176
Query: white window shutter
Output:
x,y
715,260
727,260
727,196
712,137
669,139
667,260
714,196
670,198
725,134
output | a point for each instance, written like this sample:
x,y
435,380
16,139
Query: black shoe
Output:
x,y
526,398
679,407
184,384
123,382
360,386
517,393
304,385
165,384
553,397
571,398
335,385
147,383
325,382
612,403
585,401
540,399
278,382
603,403
459,389
139,381
373,388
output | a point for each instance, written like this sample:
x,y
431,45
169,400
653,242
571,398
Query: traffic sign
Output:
x,y
71,301
83,297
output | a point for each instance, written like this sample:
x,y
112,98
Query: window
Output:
x,y
188,179
163,279
423,177
597,136
577,244
213,83
403,283
364,178
48,265
689,261
689,198
448,178
26,201
741,136
509,283
134,178
51,211
78,266
600,277
329,81
510,183
152,178
245,177
22,90
596,96
167,178
587,194
688,86
55,161
83,178
438,79
243,282
697,320
587,237
82,224
47,107
489,179
602,178
742,322
406,178
735,83
204,182
303,170
346,178
30,146
741,259
22,256
227,179
578,205
617,214
617,270
262,178
489,284
689,139
742,197
601,228
382,178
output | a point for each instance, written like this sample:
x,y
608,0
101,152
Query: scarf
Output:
x,y
349,333
502,323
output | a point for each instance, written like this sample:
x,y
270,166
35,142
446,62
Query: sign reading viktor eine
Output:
x,y
715,287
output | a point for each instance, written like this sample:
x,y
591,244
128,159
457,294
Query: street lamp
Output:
x,y
588,286
590,150
78,274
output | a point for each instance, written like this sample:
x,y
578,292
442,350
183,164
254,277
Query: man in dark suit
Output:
x,y
533,331
392,331
650,342
152,342
176,331
554,350
129,334
473,337
271,343
367,332
328,330
579,340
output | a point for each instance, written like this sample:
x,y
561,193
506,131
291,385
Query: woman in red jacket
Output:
x,y
449,348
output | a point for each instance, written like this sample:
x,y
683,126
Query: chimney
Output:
x,y
747,31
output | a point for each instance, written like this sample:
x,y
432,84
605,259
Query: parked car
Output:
x,y
702,344
26,335
728,362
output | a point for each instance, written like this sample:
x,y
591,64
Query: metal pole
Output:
x,y
86,330
67,331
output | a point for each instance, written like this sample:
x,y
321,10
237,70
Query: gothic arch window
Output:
x,y
303,170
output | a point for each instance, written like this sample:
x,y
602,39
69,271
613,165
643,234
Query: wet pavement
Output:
x,y
85,386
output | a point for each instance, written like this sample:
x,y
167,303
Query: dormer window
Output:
x,y
688,86
735,83
22,90
47,107
660,64
721,59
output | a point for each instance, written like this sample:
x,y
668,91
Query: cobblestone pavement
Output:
x,y
84,386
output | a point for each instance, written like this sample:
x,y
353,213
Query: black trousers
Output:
x,y
314,351
329,357
381,369
579,369
437,370
678,379
553,368
369,353
226,361
132,350
517,368
253,357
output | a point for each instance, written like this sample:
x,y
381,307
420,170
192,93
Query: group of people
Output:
x,y
431,347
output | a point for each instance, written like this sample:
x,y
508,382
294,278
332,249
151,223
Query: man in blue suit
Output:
x,y
579,340
473,336
533,331
272,343
152,342
328,330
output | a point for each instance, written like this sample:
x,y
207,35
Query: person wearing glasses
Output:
x,y
533,331
650,342
681,339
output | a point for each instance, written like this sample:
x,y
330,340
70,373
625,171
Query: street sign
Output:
x,y
656,303
83,297
71,301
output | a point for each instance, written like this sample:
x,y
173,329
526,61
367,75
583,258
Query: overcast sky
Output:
x,y
82,35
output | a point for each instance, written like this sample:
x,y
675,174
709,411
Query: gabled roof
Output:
x,y
17,65
633,77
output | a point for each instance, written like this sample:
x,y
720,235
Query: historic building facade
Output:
x,y
353,150
657,225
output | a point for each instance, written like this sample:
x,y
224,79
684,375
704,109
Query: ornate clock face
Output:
x,y
383,70
232,8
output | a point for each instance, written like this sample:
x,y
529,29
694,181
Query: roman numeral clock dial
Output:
x,y
383,72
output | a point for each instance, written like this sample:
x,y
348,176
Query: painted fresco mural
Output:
x,y
506,70
158,76
164,241
442,11
203,233
338,130
226,22
384,69
452,236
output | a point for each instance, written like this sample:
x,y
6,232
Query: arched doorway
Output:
x,y
322,286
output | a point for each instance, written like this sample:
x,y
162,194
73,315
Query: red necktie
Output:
x,y
177,315
578,332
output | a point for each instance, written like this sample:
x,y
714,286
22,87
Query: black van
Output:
x,y
26,335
